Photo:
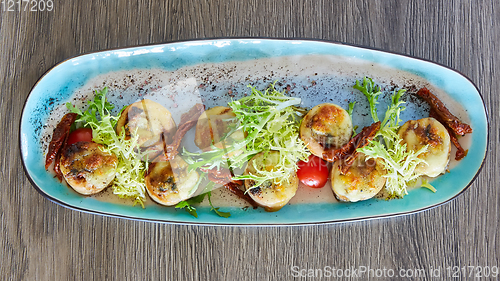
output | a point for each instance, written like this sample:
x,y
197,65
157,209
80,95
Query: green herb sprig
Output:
x,y
398,161
129,179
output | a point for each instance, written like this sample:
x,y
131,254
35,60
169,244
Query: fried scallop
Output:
x,y
270,195
325,126
363,180
151,121
87,168
428,131
212,127
170,182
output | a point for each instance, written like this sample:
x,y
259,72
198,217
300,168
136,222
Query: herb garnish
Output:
x,y
398,161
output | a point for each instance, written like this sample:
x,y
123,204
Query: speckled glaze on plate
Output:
x,y
214,71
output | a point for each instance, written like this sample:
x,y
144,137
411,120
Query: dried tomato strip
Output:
x,y
188,120
443,115
461,153
367,136
233,187
224,177
348,151
59,137
219,176
57,163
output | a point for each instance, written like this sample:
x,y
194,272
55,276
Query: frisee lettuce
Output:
x,y
187,205
216,210
349,111
274,125
99,106
129,178
427,185
271,123
371,92
398,161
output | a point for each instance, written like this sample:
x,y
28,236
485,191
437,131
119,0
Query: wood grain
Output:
x,y
40,240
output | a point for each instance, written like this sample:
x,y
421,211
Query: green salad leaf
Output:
x,y
427,185
187,205
271,123
216,210
349,111
398,161
99,106
371,92
129,178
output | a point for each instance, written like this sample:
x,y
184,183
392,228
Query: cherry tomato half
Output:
x,y
82,134
313,173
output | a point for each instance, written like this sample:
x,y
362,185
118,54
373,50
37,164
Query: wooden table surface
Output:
x,y
40,240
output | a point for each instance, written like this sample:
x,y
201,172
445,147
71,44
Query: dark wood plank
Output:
x,y
42,241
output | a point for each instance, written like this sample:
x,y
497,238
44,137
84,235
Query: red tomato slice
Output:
x,y
82,134
313,173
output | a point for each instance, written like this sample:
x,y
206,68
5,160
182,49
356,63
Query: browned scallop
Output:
x,y
87,168
150,121
213,126
428,131
270,195
170,182
363,180
326,126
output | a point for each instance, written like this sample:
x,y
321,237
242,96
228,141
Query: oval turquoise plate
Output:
x,y
309,67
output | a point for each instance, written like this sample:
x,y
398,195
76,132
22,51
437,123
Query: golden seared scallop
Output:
x,y
212,127
87,168
149,120
363,180
428,131
270,195
325,126
170,182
